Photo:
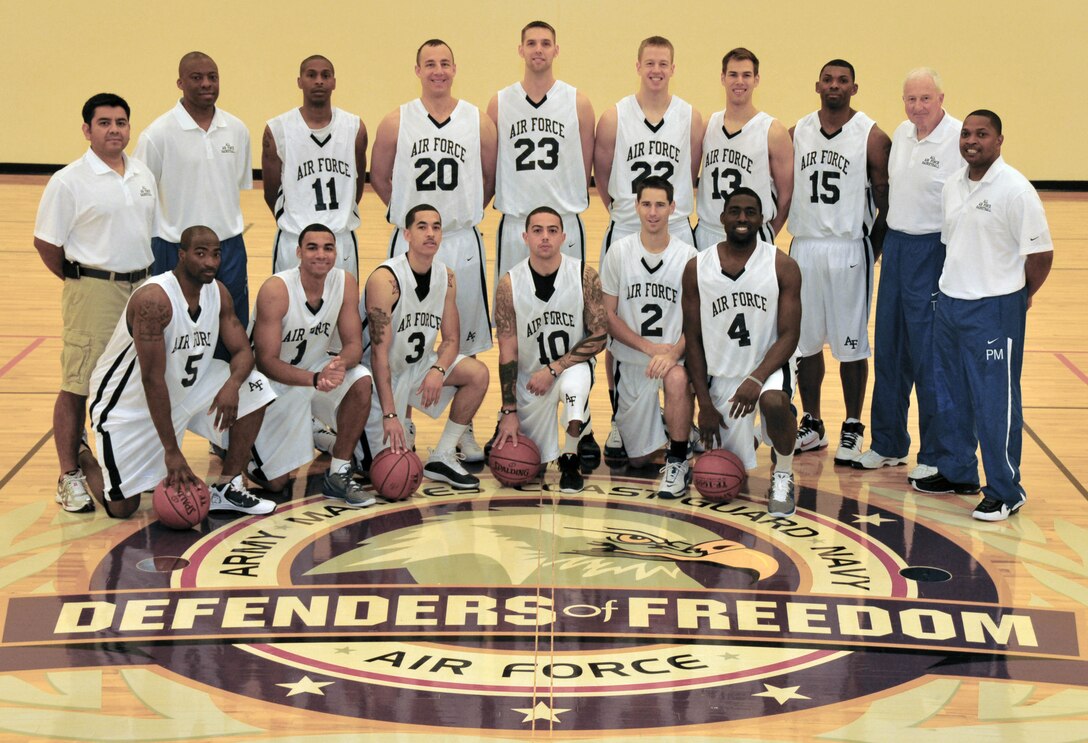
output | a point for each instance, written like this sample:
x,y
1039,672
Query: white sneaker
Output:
x,y
613,445
410,433
874,460
72,494
780,496
676,476
810,434
324,437
470,450
233,496
921,472
850,441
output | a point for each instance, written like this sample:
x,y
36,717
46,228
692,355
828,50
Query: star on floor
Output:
x,y
306,685
345,651
730,656
541,712
780,694
873,518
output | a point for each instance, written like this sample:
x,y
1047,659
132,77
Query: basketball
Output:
x,y
396,476
515,465
181,508
719,475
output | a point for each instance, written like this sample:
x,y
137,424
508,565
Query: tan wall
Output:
x,y
1024,60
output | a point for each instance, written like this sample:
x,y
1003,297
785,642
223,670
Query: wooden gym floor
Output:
x,y
874,614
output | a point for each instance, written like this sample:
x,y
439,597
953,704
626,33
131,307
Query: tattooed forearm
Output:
x,y
379,321
505,319
587,348
508,382
596,318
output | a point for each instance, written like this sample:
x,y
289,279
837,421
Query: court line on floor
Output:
x,y
1072,367
1057,462
21,355
26,458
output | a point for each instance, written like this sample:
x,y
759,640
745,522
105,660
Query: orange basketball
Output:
x,y
396,476
181,508
719,475
515,465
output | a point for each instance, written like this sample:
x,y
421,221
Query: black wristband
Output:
x,y
316,375
553,372
389,416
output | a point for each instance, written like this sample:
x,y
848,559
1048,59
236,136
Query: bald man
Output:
x,y
199,156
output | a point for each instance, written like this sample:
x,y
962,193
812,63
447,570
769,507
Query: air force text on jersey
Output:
x,y
549,317
737,300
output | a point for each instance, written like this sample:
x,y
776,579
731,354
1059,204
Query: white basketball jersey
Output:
x,y
540,152
649,292
438,163
319,173
643,150
739,316
117,391
308,333
733,161
547,328
415,322
831,195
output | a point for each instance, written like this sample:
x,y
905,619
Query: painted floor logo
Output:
x,y
540,603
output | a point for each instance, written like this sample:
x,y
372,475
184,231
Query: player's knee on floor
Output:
x,y
121,509
774,405
676,380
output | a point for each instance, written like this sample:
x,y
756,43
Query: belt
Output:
x,y
73,270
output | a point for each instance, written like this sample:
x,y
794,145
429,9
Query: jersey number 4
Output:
x,y
738,331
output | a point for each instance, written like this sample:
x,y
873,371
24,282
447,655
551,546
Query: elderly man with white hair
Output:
x,y
925,152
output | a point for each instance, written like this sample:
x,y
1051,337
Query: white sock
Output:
x,y
783,462
851,420
570,444
338,464
451,434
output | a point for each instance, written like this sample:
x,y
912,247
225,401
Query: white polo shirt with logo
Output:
x,y
917,171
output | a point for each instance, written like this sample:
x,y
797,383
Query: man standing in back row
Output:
x,y
199,155
545,135
652,132
93,232
999,254
925,153
314,164
743,146
440,150
837,217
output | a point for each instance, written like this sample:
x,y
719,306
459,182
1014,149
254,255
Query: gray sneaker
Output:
x,y
780,496
342,486
72,493
469,449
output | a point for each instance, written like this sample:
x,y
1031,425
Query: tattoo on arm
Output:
x,y
505,319
587,347
151,319
508,382
596,318
396,289
379,321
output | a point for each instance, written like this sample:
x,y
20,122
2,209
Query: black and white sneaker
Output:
x,y
811,435
613,445
589,451
851,438
446,467
675,478
992,509
781,500
233,496
938,484
570,474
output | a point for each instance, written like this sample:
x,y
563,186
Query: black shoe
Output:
x,y
446,467
589,451
938,484
992,509
570,475
490,443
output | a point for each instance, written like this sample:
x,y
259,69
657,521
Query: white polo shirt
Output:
x,y
917,171
989,226
200,173
100,218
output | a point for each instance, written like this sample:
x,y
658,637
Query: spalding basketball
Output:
x,y
719,475
515,465
396,476
181,507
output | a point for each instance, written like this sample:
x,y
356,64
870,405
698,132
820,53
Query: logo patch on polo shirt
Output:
x,y
932,162
228,149
983,205
145,191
